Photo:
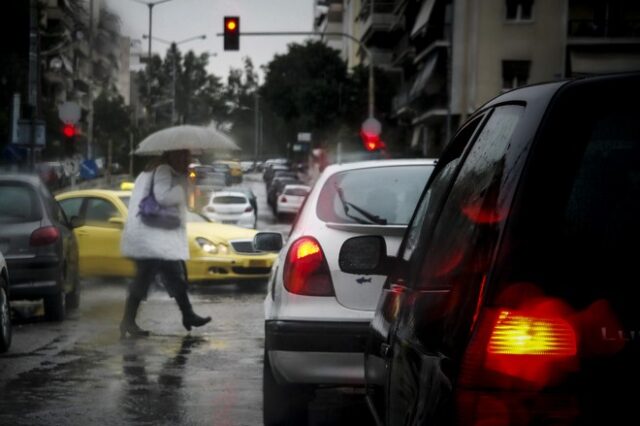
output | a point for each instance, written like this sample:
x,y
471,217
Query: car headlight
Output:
x,y
211,247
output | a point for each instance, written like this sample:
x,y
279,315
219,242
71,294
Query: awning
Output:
x,y
423,16
600,63
423,77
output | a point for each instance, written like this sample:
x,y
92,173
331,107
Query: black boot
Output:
x,y
189,318
128,324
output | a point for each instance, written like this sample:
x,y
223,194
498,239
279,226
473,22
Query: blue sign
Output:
x,y
14,153
88,169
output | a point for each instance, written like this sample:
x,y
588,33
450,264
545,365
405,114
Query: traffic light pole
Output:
x,y
335,34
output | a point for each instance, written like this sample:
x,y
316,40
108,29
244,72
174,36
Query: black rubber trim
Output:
x,y
316,336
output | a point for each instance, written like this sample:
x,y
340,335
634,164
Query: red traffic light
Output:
x,y
372,141
69,130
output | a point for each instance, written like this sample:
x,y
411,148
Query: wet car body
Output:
x,y
218,253
509,301
38,244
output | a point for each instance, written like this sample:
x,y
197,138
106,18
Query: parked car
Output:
x,y
218,253
513,299
38,244
231,207
316,317
5,307
235,169
291,199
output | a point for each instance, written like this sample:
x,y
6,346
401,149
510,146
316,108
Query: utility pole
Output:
x,y
34,79
90,114
256,123
150,5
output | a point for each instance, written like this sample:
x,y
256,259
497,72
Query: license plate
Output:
x,y
258,263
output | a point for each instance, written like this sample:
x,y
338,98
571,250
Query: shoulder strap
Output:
x,y
153,178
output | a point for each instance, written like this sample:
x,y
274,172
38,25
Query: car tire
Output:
x,y
283,404
5,318
72,299
55,307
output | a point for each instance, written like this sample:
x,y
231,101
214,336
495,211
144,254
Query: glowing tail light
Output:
x,y
306,271
519,350
515,334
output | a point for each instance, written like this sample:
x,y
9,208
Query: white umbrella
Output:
x,y
193,138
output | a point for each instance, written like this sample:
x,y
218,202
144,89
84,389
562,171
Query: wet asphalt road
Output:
x,y
79,372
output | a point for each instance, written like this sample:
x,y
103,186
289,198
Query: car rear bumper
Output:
x,y
317,352
34,277
228,270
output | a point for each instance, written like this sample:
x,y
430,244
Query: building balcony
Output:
x,y
403,51
377,17
588,31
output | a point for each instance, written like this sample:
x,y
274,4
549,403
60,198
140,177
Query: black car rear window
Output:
x,y
18,203
377,195
299,192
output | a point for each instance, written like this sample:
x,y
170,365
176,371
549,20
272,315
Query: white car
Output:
x,y
317,317
290,201
231,207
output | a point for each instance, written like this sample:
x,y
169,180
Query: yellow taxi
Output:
x,y
235,169
219,253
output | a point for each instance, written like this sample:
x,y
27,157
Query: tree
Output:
x,y
303,88
242,85
112,123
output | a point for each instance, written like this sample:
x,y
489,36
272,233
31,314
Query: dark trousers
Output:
x,y
173,273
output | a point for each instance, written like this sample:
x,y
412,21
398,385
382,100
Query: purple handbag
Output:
x,y
156,216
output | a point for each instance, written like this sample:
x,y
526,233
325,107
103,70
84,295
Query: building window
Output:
x,y
515,74
519,10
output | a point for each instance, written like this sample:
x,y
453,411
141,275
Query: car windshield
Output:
x,y
348,197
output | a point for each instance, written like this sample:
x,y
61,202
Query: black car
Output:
x,y
514,296
38,245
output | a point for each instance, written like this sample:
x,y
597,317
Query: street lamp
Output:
x,y
174,43
150,4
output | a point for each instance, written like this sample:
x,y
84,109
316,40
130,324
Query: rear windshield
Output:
x,y
19,203
229,199
377,195
300,192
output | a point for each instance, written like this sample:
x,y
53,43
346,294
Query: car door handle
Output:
x,y
385,351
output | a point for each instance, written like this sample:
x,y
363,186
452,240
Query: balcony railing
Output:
x,y
376,15
594,29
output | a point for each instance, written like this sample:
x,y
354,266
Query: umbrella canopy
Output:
x,y
193,138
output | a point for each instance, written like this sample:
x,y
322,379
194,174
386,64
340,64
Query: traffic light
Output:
x,y
372,141
69,130
231,33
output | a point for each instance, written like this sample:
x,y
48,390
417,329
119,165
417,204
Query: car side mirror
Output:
x,y
117,221
75,222
268,241
364,255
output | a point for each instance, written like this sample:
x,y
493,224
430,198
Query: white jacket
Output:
x,y
140,241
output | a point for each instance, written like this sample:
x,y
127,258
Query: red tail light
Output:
x,y
210,209
248,209
519,350
283,199
306,271
44,236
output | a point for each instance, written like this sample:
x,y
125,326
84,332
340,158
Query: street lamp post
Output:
x,y
174,43
150,5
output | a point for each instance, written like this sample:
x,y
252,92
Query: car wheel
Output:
x,y
54,306
5,319
283,404
72,299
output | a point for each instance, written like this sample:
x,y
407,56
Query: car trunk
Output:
x,y
360,292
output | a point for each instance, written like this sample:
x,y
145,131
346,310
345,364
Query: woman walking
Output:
x,y
156,250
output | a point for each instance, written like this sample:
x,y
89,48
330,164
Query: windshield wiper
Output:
x,y
371,218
